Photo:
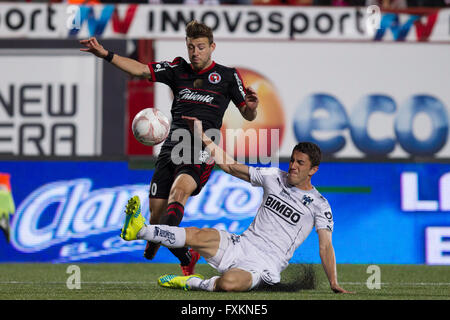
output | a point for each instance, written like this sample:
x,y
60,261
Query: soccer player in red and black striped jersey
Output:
x,y
202,89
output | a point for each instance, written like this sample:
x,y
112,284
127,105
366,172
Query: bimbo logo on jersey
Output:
x,y
282,209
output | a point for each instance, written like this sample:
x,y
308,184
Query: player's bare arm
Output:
x,y
248,111
223,159
329,260
131,66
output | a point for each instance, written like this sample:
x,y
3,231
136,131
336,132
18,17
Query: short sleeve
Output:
x,y
258,175
164,71
324,218
237,89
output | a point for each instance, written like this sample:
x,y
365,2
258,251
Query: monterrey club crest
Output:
x,y
214,78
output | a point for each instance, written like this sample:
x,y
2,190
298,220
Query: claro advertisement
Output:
x,y
73,211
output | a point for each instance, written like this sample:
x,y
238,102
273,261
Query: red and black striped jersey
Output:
x,y
204,95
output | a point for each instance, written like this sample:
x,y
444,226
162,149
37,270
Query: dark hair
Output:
x,y
312,150
195,29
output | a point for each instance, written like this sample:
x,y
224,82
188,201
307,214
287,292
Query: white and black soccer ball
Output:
x,y
150,126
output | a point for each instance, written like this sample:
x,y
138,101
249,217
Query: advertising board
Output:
x,y
73,211
50,103
278,23
355,100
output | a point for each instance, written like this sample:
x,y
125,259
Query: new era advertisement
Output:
x,y
56,211
54,110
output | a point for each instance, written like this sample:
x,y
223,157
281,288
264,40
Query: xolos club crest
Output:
x,y
214,78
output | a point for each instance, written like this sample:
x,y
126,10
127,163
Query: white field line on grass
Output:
x,y
425,284
403,284
82,282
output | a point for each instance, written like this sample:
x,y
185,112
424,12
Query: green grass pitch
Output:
x,y
139,282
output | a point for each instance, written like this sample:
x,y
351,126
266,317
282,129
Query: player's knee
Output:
x,y
229,283
193,236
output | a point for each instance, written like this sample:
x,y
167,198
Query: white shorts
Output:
x,y
237,252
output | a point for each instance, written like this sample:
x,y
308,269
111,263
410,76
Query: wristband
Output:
x,y
109,56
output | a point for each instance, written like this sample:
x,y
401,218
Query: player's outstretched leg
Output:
x,y
235,279
135,229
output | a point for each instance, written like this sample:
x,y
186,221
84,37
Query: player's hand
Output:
x,y
337,289
94,47
195,125
251,98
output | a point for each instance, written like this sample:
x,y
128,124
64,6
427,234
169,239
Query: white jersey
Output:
x,y
285,217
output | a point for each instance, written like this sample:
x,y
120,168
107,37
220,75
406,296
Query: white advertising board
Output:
x,y
355,99
132,21
50,103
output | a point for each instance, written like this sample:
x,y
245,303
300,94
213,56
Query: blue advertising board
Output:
x,y
73,211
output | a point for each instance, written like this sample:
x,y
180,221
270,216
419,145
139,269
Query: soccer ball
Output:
x,y
150,126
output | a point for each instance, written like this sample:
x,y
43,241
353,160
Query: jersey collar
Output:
x,y
213,64
295,189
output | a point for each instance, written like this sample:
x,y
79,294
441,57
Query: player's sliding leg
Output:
x,y
235,279
192,282
205,241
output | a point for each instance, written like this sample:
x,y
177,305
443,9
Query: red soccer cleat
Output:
x,y
189,269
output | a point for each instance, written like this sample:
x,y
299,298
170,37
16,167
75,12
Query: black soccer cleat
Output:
x,y
150,250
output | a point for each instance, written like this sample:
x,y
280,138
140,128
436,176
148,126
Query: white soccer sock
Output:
x,y
199,284
168,236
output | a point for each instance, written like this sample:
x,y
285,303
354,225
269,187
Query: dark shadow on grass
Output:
x,y
304,278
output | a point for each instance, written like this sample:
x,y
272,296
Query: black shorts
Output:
x,y
166,172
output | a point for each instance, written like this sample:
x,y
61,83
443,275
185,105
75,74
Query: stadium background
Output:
x,y
377,104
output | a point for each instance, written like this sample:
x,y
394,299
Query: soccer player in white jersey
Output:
x,y
291,207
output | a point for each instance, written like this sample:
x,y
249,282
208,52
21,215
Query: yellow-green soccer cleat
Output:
x,y
176,282
134,221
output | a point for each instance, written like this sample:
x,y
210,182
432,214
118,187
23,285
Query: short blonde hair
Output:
x,y
195,29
